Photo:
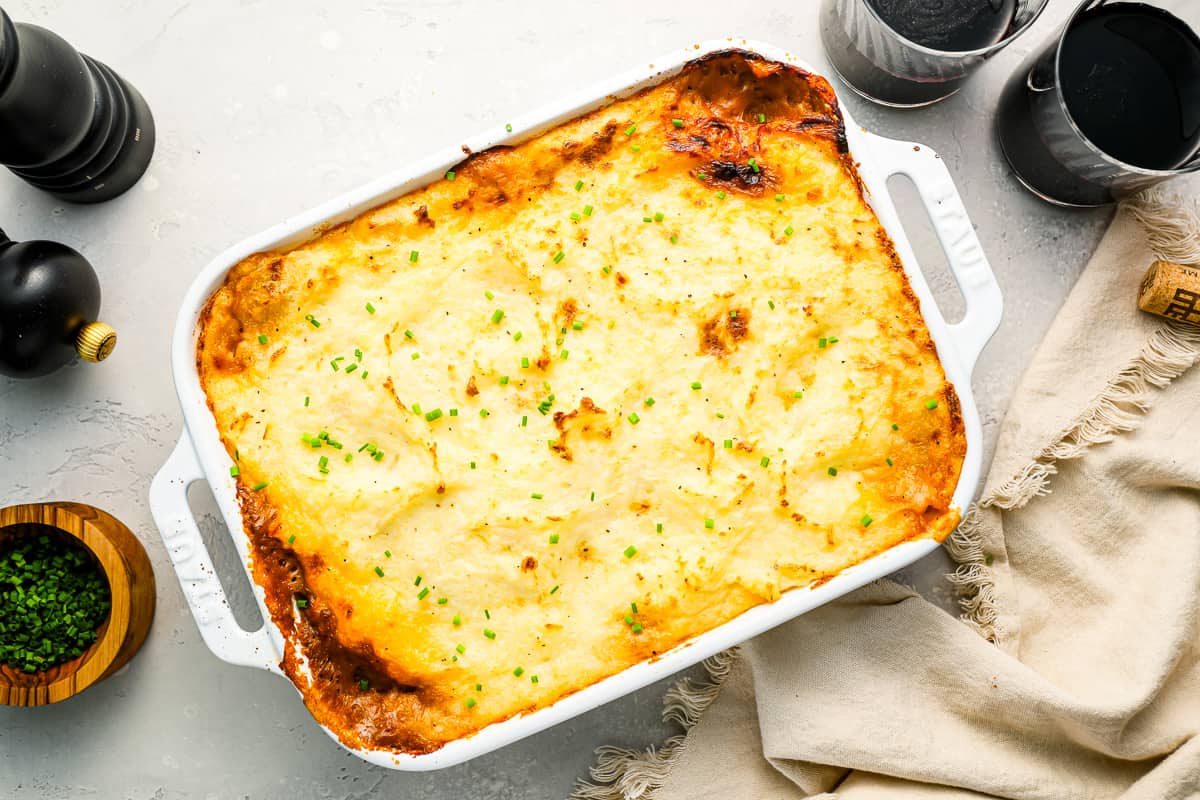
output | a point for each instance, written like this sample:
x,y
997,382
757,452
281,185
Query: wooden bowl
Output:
x,y
131,584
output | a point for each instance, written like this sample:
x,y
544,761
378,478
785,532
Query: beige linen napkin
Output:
x,y
1077,671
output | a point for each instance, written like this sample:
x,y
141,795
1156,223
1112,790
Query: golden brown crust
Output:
x,y
383,671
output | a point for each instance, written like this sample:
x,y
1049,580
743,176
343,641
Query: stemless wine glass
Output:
x,y
884,65
1072,121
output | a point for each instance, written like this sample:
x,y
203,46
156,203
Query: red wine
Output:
x,y
951,25
870,58
1129,75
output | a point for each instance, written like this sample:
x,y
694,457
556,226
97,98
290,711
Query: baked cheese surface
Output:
x,y
576,403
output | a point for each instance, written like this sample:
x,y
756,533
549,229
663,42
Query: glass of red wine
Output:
x,y
910,53
1110,106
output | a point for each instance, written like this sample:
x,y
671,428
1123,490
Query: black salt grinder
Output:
x,y
68,124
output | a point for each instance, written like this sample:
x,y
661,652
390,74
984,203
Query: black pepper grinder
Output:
x,y
49,301
68,123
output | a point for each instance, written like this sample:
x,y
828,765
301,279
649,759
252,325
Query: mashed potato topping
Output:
x,y
577,402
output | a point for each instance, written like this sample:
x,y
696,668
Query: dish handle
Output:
x,y
964,254
201,586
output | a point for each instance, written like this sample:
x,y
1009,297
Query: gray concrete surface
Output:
x,y
264,108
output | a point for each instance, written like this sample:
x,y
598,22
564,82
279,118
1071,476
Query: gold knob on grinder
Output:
x,y
95,342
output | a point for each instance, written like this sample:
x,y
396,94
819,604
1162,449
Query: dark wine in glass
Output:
x,y
1121,90
915,52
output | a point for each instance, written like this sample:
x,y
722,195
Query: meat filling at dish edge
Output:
x,y
576,403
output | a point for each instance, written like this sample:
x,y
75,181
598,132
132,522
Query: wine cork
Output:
x,y
1171,291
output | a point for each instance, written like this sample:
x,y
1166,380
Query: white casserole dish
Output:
x,y
200,455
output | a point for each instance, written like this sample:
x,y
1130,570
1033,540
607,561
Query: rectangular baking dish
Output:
x,y
199,454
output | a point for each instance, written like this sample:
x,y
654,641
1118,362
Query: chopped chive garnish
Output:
x,y
517,336
720,415
421,595
461,649
413,256
647,219
351,368
387,553
519,671
301,603
788,231
753,164
630,130
489,295
778,198
637,627
537,495
497,315
630,551
822,342
637,148
889,462
563,355
408,334
450,175
799,393
931,404
674,239
633,607
323,462
576,216
417,581
312,320
430,416
832,470
764,461
441,601
559,256
833,340
470,702
577,325
634,419
895,427
866,520
349,457
587,211
720,195
678,123
709,523
363,685
489,633
306,401
234,471
649,401
524,420
729,444
416,408
457,619
508,127
258,487
379,571
292,539
483,412
578,185
262,338
377,455
472,465
415,356
628,619
658,528
695,384
454,412
370,308
762,117
607,271
555,589
554,538
659,216
533,678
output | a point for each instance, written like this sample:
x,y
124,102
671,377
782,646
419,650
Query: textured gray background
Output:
x,y
264,109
